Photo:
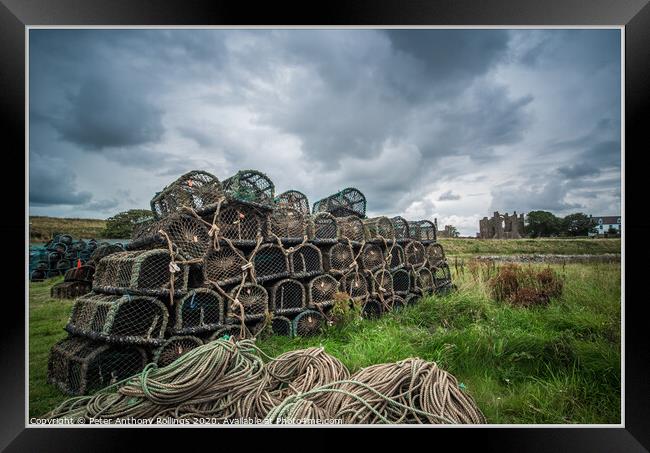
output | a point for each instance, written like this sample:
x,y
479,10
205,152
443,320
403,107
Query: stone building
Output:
x,y
502,226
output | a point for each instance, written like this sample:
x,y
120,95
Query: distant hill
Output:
x,y
42,228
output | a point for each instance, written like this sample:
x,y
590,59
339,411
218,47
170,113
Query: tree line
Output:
x,y
546,224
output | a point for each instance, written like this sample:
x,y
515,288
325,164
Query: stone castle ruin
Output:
x,y
502,226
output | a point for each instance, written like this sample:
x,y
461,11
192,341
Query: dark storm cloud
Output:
x,y
448,196
52,182
578,170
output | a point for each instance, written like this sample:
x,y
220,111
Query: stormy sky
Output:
x,y
446,124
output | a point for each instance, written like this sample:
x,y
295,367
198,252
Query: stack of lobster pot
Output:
x,y
234,258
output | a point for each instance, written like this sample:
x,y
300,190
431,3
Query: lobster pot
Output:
x,y
62,266
355,285
105,250
381,282
308,323
401,228
287,224
435,255
349,201
188,235
231,330
441,276
201,310
288,297
240,223
422,281
323,228
395,256
338,259
70,290
401,281
145,272
321,291
372,309
38,275
83,273
394,303
253,298
173,348
423,231
378,229
270,263
412,298
351,228
252,187
372,257
119,319
415,254
281,325
224,266
295,200
78,366
198,190
306,261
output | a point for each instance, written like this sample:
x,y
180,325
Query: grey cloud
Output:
x,y
579,170
550,196
101,205
448,196
52,182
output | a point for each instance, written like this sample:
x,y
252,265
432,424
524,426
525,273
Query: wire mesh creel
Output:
x,y
78,366
394,303
281,325
323,228
198,190
188,235
401,228
423,231
401,281
254,300
252,187
270,262
349,201
287,224
338,259
288,297
381,283
146,272
306,261
240,222
293,199
321,291
119,319
308,323
372,257
372,309
224,266
441,276
201,310
351,228
435,255
173,348
70,290
395,257
378,229
422,281
104,250
415,254
355,285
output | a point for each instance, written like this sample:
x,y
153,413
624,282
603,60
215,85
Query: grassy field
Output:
x,y
42,228
559,364
560,246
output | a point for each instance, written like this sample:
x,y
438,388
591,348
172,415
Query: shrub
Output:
x,y
525,287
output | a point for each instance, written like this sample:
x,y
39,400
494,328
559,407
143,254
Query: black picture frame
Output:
x,y
16,15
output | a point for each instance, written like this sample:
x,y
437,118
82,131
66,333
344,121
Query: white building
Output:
x,y
605,223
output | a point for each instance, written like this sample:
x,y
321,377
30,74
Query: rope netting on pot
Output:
x,y
270,262
395,256
189,236
422,281
104,250
349,201
173,348
401,228
232,330
351,228
323,228
200,310
306,261
394,303
281,325
287,224
423,231
321,291
119,319
288,297
225,265
252,187
308,323
294,199
435,255
355,285
76,282
248,302
239,222
146,272
372,257
378,229
196,189
401,281
79,365
415,254
381,283
441,276
412,298
339,258
372,309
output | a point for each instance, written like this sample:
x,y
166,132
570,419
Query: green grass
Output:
x,y
42,228
559,364
560,246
